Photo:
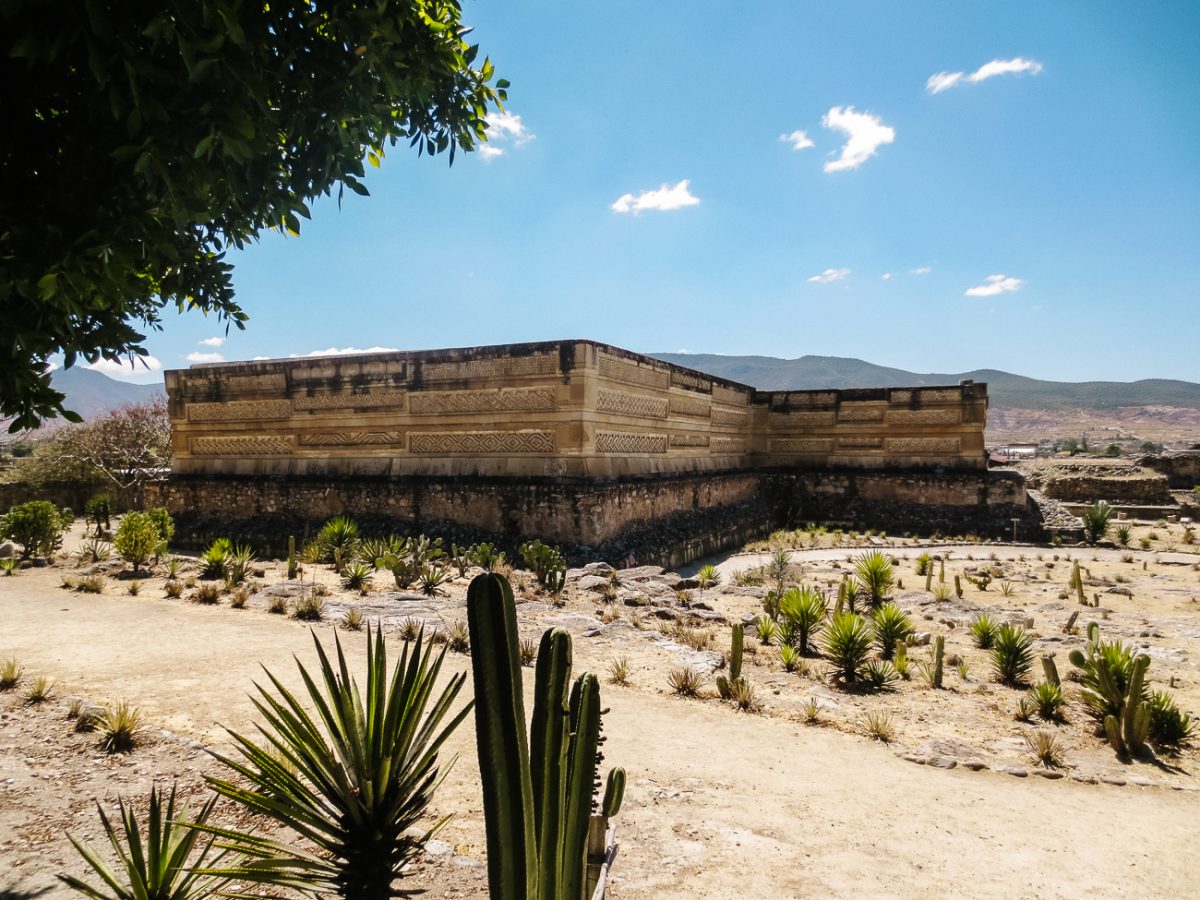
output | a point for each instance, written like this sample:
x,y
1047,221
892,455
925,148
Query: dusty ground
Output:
x,y
719,803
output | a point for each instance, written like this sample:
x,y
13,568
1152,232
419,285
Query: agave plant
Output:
x,y
1012,655
216,558
357,773
803,610
875,575
339,540
984,630
1096,519
164,864
847,644
708,576
356,576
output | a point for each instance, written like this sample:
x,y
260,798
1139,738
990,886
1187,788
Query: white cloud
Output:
x,y
994,285
886,276
505,130
212,342
664,199
921,270
943,81
798,139
346,351
864,132
204,358
829,276
141,365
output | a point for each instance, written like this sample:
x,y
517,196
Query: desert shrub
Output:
x,y
1169,726
879,674
1124,532
240,559
309,607
410,628
696,638
356,576
173,589
99,511
37,526
353,619
803,610
92,584
942,591
685,681
1047,698
432,578
10,674
312,553
890,624
1012,655
1096,520
92,551
741,692
847,643
767,629
40,690
119,728
135,588
458,636
875,575
528,650
240,597
878,726
618,671
811,711
216,558
1007,588
1025,710
164,524
9,566
964,669
277,604
1045,748
136,538
789,657
208,593
984,630
338,539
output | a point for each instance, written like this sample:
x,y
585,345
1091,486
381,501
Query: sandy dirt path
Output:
x,y
719,804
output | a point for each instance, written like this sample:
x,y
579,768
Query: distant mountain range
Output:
x,y
1005,390
91,393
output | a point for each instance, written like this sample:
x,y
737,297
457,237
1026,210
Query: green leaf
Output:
x,y
48,286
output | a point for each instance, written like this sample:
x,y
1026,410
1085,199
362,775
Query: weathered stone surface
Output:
x,y
596,583
8,550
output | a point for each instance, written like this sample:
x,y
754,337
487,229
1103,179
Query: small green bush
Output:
x,y
136,539
37,526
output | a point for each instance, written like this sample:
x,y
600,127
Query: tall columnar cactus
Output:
x,y
291,562
929,581
939,652
725,685
1077,583
958,587
537,795
1127,734
942,570
1050,669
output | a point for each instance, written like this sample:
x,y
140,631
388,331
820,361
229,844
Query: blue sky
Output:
x,y
1038,212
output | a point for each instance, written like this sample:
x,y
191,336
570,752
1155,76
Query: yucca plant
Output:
x,y
878,726
1096,519
942,592
309,607
1048,699
162,863
119,728
875,575
811,711
9,565
890,624
767,629
685,681
1124,533
238,564
1105,676
363,769
789,657
356,576
741,692
924,564
352,620
708,576
618,671
216,558
1012,655
1045,749
338,540
40,690
1169,726
803,609
371,550
984,630
458,636
879,674
847,643
432,578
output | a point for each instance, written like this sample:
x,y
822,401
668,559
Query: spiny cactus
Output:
x,y
614,792
725,685
1050,669
1127,735
942,570
1114,689
939,652
958,587
1077,583
291,561
537,795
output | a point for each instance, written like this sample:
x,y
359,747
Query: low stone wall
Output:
x,y
1181,469
60,495
1142,489
665,520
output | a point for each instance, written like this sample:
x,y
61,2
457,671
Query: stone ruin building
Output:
x,y
608,453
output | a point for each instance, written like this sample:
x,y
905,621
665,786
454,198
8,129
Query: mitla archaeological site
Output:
x,y
610,454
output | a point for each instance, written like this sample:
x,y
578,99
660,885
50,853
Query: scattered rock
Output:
x,y
8,550
1018,771
1052,774
640,573
438,848
596,583
1114,779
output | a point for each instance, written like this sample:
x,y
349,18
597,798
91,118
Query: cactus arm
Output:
x,y
500,736
1136,716
614,792
1050,669
585,727
1112,730
549,737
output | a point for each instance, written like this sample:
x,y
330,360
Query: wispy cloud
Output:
x,y
995,285
864,132
886,276
505,131
798,139
943,81
664,199
211,342
920,270
829,276
204,358
141,365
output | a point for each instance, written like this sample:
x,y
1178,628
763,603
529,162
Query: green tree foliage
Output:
x,y
142,141
37,526
137,538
